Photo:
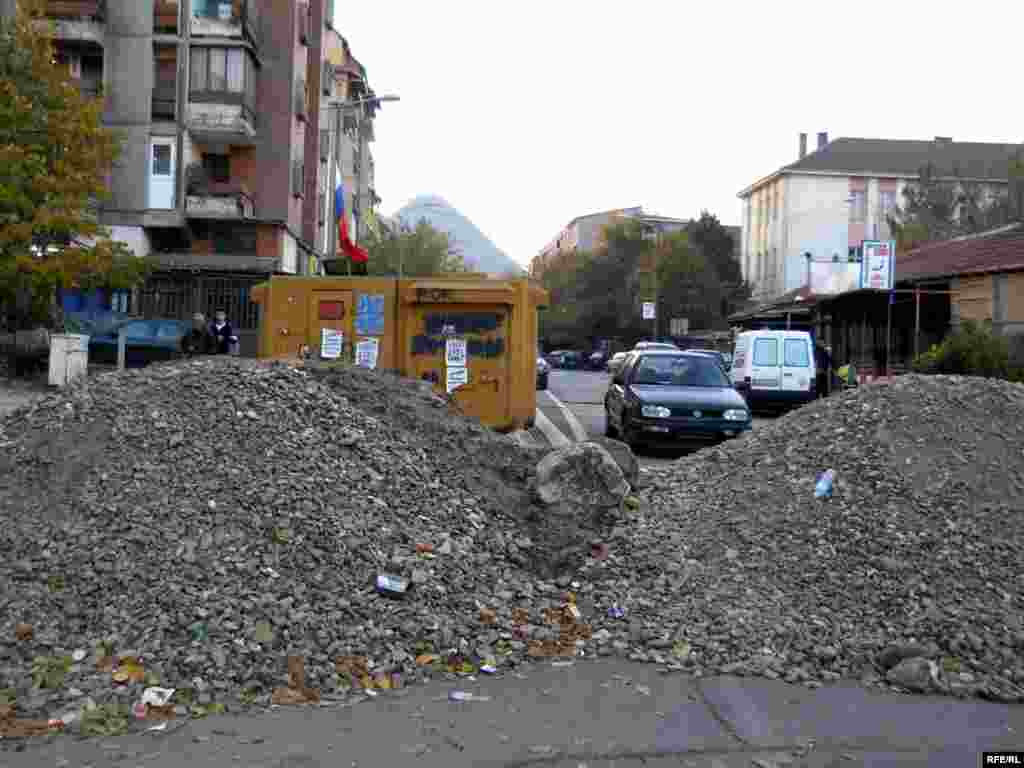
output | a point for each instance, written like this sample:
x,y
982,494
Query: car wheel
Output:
x,y
542,382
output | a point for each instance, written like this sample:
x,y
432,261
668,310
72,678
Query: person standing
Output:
x,y
197,340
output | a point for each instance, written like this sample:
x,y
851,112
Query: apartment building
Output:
x,y
832,199
222,178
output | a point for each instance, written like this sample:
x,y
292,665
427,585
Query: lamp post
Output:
x,y
339,108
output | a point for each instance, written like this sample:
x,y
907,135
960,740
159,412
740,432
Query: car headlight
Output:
x,y
735,414
655,412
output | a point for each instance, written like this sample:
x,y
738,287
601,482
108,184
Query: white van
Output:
x,y
774,367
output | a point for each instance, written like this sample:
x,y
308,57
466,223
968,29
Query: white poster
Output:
x,y
366,353
648,310
331,342
456,377
455,353
877,269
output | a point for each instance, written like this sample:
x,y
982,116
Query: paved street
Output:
x,y
574,403
592,714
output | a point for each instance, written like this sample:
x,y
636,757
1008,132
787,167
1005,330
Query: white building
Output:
x,y
832,199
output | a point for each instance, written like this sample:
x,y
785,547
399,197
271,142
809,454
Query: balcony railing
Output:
x,y
75,9
221,112
220,200
228,18
165,100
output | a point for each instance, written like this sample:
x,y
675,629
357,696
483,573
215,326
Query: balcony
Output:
x,y
165,100
221,118
219,200
77,20
227,18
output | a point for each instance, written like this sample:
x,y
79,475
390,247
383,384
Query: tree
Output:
x,y
714,242
418,251
55,155
937,208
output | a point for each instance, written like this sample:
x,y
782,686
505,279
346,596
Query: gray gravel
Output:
x,y
213,517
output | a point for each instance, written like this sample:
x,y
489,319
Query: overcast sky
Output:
x,y
523,115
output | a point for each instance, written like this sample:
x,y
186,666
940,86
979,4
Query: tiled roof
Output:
x,y
961,158
904,158
1001,250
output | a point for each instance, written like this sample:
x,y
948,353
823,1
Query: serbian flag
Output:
x,y
354,252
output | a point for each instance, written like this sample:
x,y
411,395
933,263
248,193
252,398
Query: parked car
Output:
x,y
554,359
616,361
654,345
146,341
597,360
774,368
543,369
668,396
720,356
572,361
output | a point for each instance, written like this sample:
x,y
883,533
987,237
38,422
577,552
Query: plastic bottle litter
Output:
x,y
392,586
465,696
823,489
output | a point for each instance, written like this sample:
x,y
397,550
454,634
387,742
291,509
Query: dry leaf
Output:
x,y
24,632
425,659
290,697
488,616
12,728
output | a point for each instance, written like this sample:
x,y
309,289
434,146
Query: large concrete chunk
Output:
x,y
582,479
624,457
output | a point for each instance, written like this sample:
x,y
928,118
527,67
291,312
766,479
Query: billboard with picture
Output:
x,y
878,265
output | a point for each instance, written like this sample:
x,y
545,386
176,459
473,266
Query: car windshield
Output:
x,y
679,371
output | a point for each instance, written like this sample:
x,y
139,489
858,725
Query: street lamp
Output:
x,y
339,108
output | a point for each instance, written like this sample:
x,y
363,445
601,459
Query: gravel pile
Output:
x,y
209,518
196,524
908,576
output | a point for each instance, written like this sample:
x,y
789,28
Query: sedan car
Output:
x,y
662,396
146,341
655,345
726,360
543,370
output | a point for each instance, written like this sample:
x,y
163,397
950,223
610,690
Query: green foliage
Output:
x,y
55,154
106,720
598,294
418,251
942,205
973,350
49,671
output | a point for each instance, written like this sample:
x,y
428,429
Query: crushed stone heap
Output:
x,y
910,573
208,519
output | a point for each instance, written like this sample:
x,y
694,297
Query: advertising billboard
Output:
x,y
878,265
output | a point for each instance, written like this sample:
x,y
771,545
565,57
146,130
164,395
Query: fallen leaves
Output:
x,y
128,670
297,691
23,632
13,728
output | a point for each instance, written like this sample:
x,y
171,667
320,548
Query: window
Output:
x,y
887,201
217,167
766,352
680,371
161,159
858,205
218,69
221,70
796,355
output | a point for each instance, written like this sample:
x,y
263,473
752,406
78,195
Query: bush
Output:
x,y
973,350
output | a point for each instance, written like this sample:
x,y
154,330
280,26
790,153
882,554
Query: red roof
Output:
x,y
1001,250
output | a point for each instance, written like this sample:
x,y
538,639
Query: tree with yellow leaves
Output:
x,y
55,155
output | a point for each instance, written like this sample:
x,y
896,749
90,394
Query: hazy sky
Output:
x,y
523,115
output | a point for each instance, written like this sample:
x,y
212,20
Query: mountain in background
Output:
x,y
479,253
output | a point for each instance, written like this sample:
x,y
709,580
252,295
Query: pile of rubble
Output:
x,y
195,524
909,575
240,532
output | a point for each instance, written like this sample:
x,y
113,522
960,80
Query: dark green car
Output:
x,y
665,396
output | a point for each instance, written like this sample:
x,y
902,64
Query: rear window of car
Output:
x,y
766,352
796,354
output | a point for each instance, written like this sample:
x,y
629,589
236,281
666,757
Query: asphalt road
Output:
x,y
582,394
